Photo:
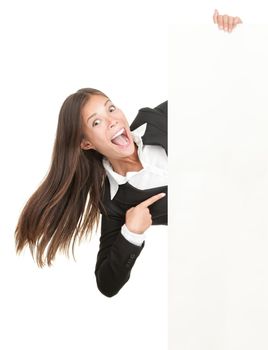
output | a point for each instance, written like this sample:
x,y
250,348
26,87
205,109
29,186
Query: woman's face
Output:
x,y
106,129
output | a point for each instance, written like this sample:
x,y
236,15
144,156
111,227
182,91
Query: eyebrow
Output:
x,y
93,115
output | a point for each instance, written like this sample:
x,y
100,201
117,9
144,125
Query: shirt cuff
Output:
x,y
134,238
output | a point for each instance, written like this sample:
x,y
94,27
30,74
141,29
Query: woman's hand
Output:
x,y
225,22
139,218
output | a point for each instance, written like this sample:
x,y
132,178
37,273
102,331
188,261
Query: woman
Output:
x,y
100,165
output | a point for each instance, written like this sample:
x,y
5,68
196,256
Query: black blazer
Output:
x,y
116,255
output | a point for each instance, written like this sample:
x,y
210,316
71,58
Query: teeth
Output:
x,y
120,132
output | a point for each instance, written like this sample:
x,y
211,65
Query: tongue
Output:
x,y
120,140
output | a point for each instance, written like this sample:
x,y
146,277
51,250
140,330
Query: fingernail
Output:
x,y
162,194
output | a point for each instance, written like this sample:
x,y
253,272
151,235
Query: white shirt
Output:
x,y
154,174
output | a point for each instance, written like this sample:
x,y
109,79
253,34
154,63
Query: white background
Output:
x,y
218,283
49,49
218,172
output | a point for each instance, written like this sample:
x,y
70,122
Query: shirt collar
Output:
x,y
116,179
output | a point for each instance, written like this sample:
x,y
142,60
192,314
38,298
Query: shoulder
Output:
x,y
162,108
156,116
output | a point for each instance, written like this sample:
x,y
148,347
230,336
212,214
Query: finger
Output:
x,y
220,22
151,200
215,16
225,22
230,24
237,20
130,209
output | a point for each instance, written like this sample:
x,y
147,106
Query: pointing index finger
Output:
x,y
151,200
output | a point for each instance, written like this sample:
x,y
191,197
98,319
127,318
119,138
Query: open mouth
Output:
x,y
120,138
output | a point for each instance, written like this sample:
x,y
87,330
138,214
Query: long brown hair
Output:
x,y
66,204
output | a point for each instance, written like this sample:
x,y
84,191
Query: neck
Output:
x,y
131,163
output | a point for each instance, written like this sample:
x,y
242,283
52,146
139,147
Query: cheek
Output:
x,y
94,136
122,117
99,140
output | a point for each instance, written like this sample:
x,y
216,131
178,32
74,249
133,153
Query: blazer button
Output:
x,y
132,256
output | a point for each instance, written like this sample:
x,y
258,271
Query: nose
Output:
x,y
112,122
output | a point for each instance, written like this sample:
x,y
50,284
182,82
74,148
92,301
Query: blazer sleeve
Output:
x,y
116,256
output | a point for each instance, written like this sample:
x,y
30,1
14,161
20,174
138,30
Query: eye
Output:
x,y
112,108
96,122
